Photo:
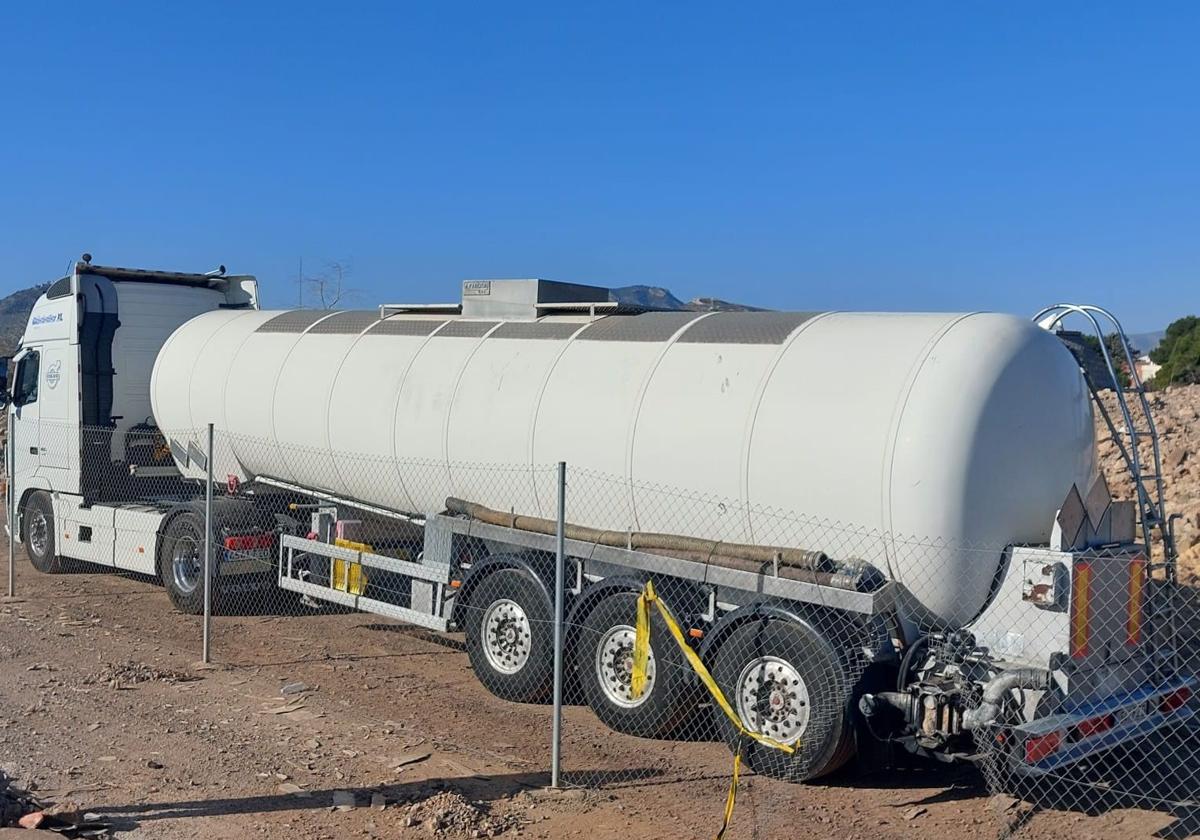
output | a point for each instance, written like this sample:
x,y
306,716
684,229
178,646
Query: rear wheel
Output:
x,y
786,682
37,520
510,636
604,664
181,562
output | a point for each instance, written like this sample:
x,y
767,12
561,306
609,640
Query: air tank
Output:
x,y
922,443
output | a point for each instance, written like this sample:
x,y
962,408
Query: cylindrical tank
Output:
x,y
944,437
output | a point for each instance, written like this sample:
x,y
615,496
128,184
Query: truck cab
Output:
x,y
83,436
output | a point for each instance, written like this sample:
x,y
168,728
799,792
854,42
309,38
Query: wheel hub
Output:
x,y
507,636
39,532
614,667
185,565
772,699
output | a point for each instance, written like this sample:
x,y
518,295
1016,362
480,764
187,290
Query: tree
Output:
x,y
330,287
1179,354
1112,342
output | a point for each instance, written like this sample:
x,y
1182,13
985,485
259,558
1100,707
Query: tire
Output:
x,y
180,563
39,531
604,664
795,672
510,636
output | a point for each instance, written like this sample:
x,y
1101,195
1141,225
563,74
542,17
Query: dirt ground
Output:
x,y
389,735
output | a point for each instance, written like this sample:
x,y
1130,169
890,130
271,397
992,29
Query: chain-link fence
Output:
x,y
694,627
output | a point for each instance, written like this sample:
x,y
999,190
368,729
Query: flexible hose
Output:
x,y
1036,679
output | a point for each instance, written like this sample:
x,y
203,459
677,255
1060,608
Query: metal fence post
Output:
x,y
559,596
10,458
208,530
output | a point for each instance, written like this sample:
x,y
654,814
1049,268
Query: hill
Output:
x,y
657,297
1145,342
14,313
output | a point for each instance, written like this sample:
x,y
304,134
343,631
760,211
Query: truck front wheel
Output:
x,y
604,664
510,636
37,520
181,563
786,682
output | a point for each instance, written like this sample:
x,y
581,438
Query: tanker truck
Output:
x,y
994,603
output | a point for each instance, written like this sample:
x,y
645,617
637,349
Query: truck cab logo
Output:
x,y
53,317
54,374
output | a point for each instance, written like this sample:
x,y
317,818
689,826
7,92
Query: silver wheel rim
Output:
x,y
39,533
614,667
507,636
185,565
772,699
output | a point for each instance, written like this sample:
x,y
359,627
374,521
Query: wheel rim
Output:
x,y
772,699
185,565
614,667
39,532
507,636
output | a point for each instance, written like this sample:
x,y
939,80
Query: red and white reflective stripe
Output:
x,y
1042,746
1175,700
249,542
1137,578
1092,726
1081,591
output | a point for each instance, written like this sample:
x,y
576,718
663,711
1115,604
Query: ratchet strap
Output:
x,y
641,656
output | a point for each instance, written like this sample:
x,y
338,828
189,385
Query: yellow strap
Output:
x,y
641,655
641,640
731,799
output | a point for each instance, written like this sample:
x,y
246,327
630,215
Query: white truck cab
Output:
x,y
90,479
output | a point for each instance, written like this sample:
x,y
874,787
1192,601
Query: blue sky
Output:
x,y
810,156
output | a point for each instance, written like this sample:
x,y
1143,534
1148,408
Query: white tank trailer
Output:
x,y
964,430
965,610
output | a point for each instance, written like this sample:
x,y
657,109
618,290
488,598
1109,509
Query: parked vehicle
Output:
x,y
352,471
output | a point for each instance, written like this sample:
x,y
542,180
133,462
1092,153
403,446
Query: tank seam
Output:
x,y
537,409
396,409
462,370
889,537
329,403
752,415
275,391
631,431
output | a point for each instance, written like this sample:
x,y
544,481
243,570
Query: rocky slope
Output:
x,y
1176,413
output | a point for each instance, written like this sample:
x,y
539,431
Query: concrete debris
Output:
x,y
127,674
449,814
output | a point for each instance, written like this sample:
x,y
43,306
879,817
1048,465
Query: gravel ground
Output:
x,y
345,725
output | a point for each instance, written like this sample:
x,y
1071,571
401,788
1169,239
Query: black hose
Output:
x,y
906,661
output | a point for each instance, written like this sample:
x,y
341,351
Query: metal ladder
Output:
x,y
1149,485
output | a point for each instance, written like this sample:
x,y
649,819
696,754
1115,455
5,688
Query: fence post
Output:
x,y
10,458
208,548
559,596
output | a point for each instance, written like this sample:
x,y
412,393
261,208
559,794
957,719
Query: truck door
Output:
x,y
58,437
26,420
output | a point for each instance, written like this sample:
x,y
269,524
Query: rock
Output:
x,y
378,801
913,813
293,688
32,820
292,789
343,800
